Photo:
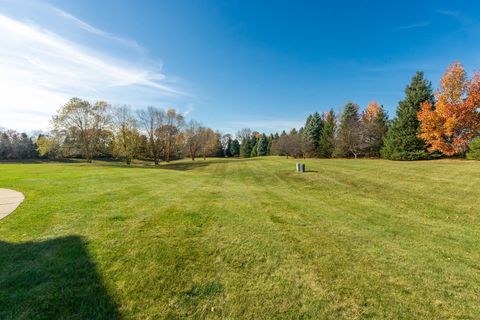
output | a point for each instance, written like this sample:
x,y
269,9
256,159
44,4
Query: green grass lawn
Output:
x,y
242,239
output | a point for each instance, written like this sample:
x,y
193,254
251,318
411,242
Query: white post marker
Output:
x,y
9,201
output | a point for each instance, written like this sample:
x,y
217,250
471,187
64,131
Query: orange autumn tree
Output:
x,y
371,112
373,128
454,121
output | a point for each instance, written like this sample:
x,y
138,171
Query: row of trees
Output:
x,y
91,130
350,135
14,146
426,125
446,122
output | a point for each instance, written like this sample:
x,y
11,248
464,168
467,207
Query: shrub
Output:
x,y
474,149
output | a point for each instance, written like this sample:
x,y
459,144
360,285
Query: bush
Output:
x,y
474,150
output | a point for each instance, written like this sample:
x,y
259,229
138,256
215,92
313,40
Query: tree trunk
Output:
x,y
167,155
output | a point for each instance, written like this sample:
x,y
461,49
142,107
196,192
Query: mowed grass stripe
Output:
x,y
250,238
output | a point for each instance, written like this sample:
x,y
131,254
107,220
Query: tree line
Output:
x,y
14,146
427,125
83,129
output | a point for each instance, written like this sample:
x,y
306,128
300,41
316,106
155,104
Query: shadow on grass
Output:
x,y
198,163
52,279
180,165
38,161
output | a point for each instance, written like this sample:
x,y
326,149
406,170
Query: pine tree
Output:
x,y
262,145
402,141
327,137
228,147
246,148
235,148
312,132
374,126
254,141
218,149
254,152
270,142
348,139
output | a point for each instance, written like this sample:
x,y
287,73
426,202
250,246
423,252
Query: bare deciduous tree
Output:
x,y
152,120
85,121
193,138
126,135
244,134
209,141
170,131
291,145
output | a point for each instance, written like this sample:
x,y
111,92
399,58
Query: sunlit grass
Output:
x,y
240,238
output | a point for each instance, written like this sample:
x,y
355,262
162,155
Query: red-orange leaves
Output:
x,y
371,112
454,121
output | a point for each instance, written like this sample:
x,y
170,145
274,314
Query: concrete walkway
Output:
x,y
9,201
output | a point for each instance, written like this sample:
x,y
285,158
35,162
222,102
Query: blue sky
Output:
x,y
229,64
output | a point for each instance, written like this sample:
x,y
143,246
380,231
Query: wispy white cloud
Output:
x,y
451,13
189,110
87,27
40,70
469,24
414,26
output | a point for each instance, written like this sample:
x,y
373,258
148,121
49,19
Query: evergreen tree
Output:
x,y
254,140
5,146
262,145
26,147
348,138
309,119
14,145
402,141
246,148
218,149
474,149
374,126
312,132
235,148
269,145
327,136
228,148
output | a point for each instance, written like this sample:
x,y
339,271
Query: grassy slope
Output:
x,y
243,239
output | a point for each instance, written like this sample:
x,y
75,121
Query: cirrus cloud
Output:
x,y
41,69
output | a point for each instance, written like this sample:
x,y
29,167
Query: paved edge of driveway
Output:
x,y
9,201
